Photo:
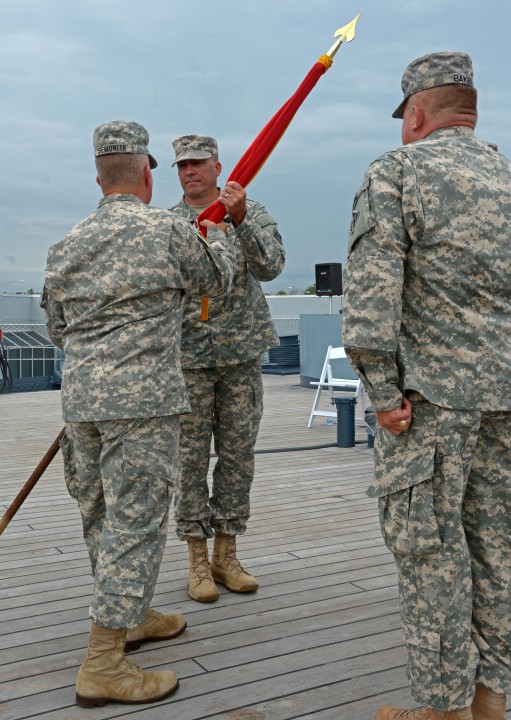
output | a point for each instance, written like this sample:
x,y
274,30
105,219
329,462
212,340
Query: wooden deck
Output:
x,y
320,639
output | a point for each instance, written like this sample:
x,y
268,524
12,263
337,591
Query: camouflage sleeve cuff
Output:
x,y
255,223
217,235
244,231
262,248
389,400
379,374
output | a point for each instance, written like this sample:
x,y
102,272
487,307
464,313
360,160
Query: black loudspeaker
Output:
x,y
329,279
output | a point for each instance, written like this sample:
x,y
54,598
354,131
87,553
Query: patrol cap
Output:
x,y
194,147
121,137
429,71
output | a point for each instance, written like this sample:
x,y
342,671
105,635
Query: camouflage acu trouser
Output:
x,y
227,403
122,474
444,491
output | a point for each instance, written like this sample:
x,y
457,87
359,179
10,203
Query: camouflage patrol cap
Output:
x,y
429,71
194,147
121,137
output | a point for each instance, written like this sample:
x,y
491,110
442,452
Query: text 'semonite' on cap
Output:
x,y
121,137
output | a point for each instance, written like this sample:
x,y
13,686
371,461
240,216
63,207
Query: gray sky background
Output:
x,y
220,69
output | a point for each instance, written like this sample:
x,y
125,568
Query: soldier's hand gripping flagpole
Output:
x,y
32,480
261,148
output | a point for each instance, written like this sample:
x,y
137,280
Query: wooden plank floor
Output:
x,y
320,639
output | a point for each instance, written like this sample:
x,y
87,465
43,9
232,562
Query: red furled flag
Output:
x,y
261,148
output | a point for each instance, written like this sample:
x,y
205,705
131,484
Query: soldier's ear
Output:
x,y
418,117
148,176
98,180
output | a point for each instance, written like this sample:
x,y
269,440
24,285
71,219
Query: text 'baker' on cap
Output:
x,y
194,147
120,137
429,71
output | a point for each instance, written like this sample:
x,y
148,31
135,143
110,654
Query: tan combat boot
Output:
x,y
105,674
154,627
226,569
201,586
488,705
422,713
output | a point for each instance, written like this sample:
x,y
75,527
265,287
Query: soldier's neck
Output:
x,y
201,203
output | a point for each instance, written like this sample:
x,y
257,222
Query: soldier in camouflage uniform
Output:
x,y
113,300
427,327
220,356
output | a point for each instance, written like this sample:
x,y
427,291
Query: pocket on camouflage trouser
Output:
x,y
406,502
424,647
145,491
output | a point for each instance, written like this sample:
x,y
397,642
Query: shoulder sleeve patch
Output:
x,y
361,220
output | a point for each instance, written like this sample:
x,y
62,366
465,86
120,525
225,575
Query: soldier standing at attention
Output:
x,y
427,327
113,301
220,357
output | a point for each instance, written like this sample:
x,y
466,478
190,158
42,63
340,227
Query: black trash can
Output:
x,y
345,421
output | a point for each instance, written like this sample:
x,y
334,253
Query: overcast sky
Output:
x,y
223,69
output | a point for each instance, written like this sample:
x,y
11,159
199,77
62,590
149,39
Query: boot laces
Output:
x,y
230,561
200,562
127,666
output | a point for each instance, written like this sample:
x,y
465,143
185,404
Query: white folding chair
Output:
x,y
326,380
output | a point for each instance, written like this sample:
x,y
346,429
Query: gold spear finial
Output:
x,y
345,33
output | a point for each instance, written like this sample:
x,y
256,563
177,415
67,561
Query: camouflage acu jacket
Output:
x,y
113,300
427,302
239,327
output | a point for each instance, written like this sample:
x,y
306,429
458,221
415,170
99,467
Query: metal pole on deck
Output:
x,y
32,480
